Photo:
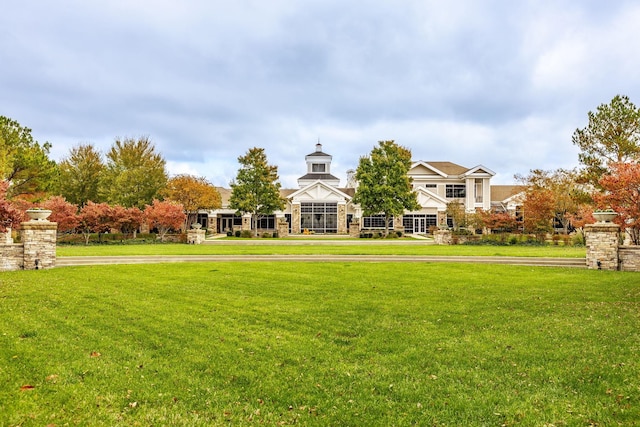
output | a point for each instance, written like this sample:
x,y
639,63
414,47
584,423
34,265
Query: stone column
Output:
x,y
39,240
282,227
354,227
246,222
602,239
342,218
295,218
196,236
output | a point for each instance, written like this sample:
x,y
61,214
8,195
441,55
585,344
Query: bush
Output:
x,y
392,235
266,235
238,233
399,233
246,234
229,233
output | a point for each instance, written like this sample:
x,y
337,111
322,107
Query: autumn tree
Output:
x,y
498,221
135,173
63,213
94,218
622,193
24,162
194,193
256,189
80,175
563,189
612,136
384,187
9,214
165,216
127,220
538,211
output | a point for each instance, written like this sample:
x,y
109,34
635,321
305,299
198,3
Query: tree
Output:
x,y
80,175
23,161
612,136
383,184
94,218
566,194
622,193
135,174
9,214
498,221
256,189
126,220
63,213
194,193
164,216
538,211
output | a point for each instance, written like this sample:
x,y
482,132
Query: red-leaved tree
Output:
x,y
94,218
62,212
498,221
127,220
164,216
622,194
538,211
10,216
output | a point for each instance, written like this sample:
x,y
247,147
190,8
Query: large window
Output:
x,y
375,221
456,191
267,222
418,223
318,167
319,217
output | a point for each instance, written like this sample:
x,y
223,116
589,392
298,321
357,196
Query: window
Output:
x,y
456,191
267,222
375,221
319,217
318,167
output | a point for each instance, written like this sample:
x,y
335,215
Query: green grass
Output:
x,y
308,248
319,344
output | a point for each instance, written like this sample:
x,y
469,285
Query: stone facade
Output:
x,y
354,228
282,227
37,250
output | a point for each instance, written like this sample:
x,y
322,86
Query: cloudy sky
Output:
x,y
500,83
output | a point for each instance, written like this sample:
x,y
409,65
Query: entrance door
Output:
x,y
419,225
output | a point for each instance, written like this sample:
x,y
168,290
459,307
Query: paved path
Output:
x,y
532,261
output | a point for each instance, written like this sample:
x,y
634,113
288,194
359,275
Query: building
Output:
x,y
319,205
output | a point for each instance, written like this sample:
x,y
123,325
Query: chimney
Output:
x,y
318,148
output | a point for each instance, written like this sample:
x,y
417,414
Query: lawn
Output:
x,y
319,344
302,247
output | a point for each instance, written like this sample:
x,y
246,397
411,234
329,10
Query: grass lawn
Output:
x,y
319,344
307,247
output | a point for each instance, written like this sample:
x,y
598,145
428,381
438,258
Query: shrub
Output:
x,y
399,233
238,233
246,234
266,235
229,233
392,235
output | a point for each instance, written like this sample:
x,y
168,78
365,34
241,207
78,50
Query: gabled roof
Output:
x,y
319,190
427,198
479,170
443,169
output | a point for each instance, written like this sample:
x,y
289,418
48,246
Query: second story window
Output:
x,y
318,167
456,191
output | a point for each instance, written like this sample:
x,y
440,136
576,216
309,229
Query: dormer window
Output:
x,y
318,167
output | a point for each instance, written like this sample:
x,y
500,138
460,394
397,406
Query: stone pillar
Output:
x,y
5,238
282,227
397,223
354,228
295,218
342,218
246,222
195,236
442,237
602,239
39,240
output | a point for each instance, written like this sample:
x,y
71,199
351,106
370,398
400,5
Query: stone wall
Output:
x,y
37,250
629,257
195,236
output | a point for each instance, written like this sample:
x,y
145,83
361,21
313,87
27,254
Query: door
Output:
x,y
419,225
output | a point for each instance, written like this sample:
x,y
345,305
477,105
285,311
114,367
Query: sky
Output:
x,y
498,83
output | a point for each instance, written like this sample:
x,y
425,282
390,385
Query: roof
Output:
x,y
319,176
448,167
500,193
318,153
